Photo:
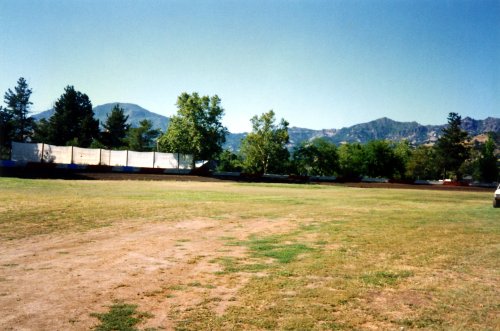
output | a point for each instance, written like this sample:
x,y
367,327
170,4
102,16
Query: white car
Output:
x,y
496,198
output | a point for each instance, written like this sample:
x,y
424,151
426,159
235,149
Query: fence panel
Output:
x,y
118,158
26,152
141,159
86,156
57,154
105,157
166,161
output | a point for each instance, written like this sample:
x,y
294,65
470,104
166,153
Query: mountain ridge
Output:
x,y
381,128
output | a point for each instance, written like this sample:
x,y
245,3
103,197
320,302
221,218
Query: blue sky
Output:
x,y
318,64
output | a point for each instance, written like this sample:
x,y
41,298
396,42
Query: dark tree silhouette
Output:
x,y
17,111
115,128
73,121
452,147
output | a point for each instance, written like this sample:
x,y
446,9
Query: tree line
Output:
x,y
197,129
453,156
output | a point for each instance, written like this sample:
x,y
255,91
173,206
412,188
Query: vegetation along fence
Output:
x,y
26,152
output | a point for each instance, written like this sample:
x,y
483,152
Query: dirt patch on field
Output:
x,y
54,282
46,171
170,177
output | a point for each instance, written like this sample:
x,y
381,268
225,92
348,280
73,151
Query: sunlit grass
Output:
x,y
348,258
121,316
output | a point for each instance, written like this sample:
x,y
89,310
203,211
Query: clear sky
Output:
x,y
318,64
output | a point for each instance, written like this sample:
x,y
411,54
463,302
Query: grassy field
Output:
x,y
345,258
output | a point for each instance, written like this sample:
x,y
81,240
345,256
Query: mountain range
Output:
x,y
382,128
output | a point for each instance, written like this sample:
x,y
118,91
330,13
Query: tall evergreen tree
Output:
x,y
18,108
452,146
73,121
116,128
41,131
5,132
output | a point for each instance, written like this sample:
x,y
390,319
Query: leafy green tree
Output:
x,y
379,159
18,108
452,146
73,121
318,157
402,153
228,161
423,164
471,165
264,149
487,164
351,158
115,128
143,138
197,127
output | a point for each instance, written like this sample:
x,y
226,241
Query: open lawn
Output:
x,y
80,255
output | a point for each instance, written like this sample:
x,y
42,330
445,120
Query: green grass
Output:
x,y
347,258
273,247
121,316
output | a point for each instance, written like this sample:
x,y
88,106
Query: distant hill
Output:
x,y
134,112
477,127
233,141
387,129
383,128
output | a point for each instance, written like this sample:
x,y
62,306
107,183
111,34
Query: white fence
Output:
x,y
25,152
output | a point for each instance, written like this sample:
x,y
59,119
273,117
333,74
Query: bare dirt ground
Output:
x,y
55,282
170,177
56,173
